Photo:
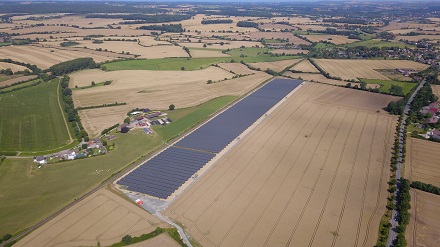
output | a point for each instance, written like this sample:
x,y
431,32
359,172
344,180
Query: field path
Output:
x,y
62,112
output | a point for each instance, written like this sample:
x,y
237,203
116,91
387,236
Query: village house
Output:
x,y
41,160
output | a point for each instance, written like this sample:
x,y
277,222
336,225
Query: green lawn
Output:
x,y
249,55
28,194
31,119
378,43
386,85
184,119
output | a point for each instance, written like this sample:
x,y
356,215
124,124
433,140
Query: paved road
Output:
x,y
393,232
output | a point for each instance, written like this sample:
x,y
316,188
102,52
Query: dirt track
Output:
x,y
313,173
103,217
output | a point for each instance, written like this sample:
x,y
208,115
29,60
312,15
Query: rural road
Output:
x,y
393,232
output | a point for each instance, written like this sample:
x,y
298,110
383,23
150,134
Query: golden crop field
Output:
x,y
103,217
152,89
335,39
17,79
422,161
354,69
305,66
424,226
313,173
80,21
278,35
46,57
419,37
236,68
436,90
13,67
277,66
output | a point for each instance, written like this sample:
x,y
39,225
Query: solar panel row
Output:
x,y
215,135
167,171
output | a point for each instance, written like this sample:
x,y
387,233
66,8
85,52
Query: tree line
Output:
x,y
73,65
425,187
403,206
172,28
204,22
72,113
247,24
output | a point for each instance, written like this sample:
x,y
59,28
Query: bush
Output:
x,y
171,107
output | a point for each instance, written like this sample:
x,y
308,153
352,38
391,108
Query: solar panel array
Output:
x,y
215,135
166,172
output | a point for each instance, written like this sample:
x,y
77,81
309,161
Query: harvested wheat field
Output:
x,y
313,77
103,217
275,27
423,163
45,57
13,67
419,37
159,51
335,39
199,53
17,79
313,173
277,66
424,226
152,89
236,68
80,21
216,44
354,69
436,89
150,41
305,66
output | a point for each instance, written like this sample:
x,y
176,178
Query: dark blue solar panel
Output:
x,y
167,171
215,135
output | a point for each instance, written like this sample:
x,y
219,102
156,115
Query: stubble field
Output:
x,y
13,67
46,57
313,173
277,66
436,90
424,226
103,216
305,66
354,69
422,161
152,89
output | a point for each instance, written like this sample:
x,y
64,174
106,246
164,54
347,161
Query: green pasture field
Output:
x,y
249,55
378,43
184,119
386,85
31,119
29,194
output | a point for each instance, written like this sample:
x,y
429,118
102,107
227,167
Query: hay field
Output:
x,y
215,44
103,217
43,57
353,69
150,41
312,27
277,66
198,53
311,174
422,161
315,78
17,79
159,51
419,37
195,24
335,39
424,226
275,26
13,67
436,89
152,89
305,66
236,68
75,32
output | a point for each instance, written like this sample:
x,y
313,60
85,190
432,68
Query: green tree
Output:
x,y
171,107
127,239
127,120
93,83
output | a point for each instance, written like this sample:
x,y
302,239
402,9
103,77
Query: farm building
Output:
x,y
41,160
